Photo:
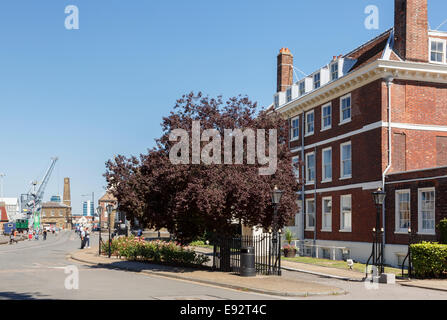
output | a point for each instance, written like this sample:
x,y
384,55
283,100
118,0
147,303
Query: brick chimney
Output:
x,y
285,70
411,30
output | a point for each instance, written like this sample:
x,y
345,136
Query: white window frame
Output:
x,y
313,123
343,176
308,181
302,88
397,210
343,121
292,138
289,95
342,227
325,180
310,228
315,82
332,73
444,58
276,101
420,230
296,171
323,127
325,228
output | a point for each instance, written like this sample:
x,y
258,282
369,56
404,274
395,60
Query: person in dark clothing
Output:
x,y
44,234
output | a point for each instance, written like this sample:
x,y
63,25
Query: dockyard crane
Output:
x,y
31,202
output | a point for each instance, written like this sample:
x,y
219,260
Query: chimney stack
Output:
x,y
411,30
67,196
285,70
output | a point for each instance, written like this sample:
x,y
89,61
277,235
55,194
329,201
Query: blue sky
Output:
x,y
85,95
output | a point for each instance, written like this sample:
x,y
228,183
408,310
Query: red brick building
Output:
x,y
373,118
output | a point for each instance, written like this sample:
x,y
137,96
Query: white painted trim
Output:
x,y
291,128
296,172
305,123
372,126
397,230
308,181
323,171
342,175
418,179
323,128
341,213
430,40
364,186
414,126
365,128
343,121
326,228
437,33
307,228
420,230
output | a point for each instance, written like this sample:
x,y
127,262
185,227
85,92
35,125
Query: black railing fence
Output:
x,y
227,253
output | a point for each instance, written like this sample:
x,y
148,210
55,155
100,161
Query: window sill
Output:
x,y
311,183
326,230
427,233
344,122
346,178
294,139
345,230
401,232
326,181
308,134
326,129
309,230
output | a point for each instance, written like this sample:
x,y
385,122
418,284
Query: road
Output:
x,y
36,270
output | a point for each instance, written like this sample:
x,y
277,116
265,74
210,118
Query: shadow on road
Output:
x,y
21,296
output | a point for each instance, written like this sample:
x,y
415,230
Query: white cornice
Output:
x,y
378,69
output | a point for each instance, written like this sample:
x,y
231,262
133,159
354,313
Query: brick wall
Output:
x,y
411,29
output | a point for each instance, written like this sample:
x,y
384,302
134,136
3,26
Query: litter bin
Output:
x,y
248,268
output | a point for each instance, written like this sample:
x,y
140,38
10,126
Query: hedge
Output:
x,y
429,260
136,249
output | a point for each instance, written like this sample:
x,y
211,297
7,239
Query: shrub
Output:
x,y
136,249
429,260
442,227
289,236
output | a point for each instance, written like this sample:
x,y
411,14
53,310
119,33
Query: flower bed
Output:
x,y
136,249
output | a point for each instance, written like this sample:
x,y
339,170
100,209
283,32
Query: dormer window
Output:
x,y
317,80
302,88
289,94
334,71
437,51
276,101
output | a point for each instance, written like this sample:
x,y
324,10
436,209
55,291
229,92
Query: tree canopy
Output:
x,y
190,199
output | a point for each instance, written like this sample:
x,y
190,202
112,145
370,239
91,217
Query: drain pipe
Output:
x,y
389,81
303,178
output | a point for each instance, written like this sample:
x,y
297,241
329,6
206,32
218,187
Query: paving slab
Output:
x,y
272,285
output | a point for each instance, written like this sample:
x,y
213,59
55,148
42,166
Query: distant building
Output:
x,y
55,199
56,212
12,207
88,208
104,201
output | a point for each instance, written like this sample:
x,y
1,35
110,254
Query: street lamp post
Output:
x,y
377,249
109,213
276,199
99,211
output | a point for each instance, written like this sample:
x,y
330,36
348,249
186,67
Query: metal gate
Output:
x,y
227,253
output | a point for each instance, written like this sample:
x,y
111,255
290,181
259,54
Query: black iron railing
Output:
x,y
227,253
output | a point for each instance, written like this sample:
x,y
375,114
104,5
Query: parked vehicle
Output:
x,y
21,225
9,227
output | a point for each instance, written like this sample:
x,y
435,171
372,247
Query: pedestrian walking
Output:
x,y
30,236
87,238
82,239
11,237
44,234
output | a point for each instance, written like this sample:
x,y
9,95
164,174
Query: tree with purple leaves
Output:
x,y
191,199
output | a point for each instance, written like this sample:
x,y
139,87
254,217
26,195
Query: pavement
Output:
x,y
271,285
347,274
